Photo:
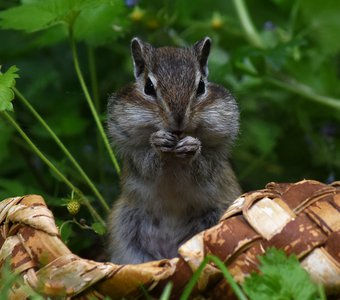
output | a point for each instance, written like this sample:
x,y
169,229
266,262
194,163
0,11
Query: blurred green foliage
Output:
x,y
280,58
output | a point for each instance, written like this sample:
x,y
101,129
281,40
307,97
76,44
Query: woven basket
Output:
x,y
301,218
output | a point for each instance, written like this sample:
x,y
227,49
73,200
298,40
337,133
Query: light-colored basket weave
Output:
x,y
301,218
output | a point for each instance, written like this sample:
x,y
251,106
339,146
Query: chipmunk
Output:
x,y
173,130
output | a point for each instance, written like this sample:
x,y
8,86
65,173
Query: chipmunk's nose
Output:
x,y
177,123
178,120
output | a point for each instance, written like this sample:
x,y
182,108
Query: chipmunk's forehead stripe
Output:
x,y
174,62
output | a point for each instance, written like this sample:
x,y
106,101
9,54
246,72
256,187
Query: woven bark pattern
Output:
x,y
301,218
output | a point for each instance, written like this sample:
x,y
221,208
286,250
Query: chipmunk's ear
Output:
x,y
202,50
139,51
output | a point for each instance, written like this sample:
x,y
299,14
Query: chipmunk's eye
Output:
x,y
200,88
149,89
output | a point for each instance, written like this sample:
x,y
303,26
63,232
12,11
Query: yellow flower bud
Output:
x,y
137,14
216,21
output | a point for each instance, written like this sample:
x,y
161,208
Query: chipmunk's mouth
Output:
x,y
178,133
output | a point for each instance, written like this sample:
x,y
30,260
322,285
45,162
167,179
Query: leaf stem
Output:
x,y
62,147
249,29
62,177
90,102
192,282
305,91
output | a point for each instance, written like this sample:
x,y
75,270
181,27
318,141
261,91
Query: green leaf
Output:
x,y
98,228
7,82
282,278
102,23
29,18
95,21
37,15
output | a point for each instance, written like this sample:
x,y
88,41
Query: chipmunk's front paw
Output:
x,y
188,147
163,141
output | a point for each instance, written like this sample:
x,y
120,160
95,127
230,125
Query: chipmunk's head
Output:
x,y
173,78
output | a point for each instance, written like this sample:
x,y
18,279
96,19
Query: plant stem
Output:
x,y
189,287
166,292
62,147
90,102
93,75
321,292
230,279
96,100
305,91
62,177
249,29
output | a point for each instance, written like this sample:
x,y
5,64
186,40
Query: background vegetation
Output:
x,y
280,58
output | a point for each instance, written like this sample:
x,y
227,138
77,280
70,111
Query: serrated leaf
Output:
x,y
7,82
28,18
37,15
282,278
96,22
98,228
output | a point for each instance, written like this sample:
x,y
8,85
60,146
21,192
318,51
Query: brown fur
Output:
x,y
174,143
